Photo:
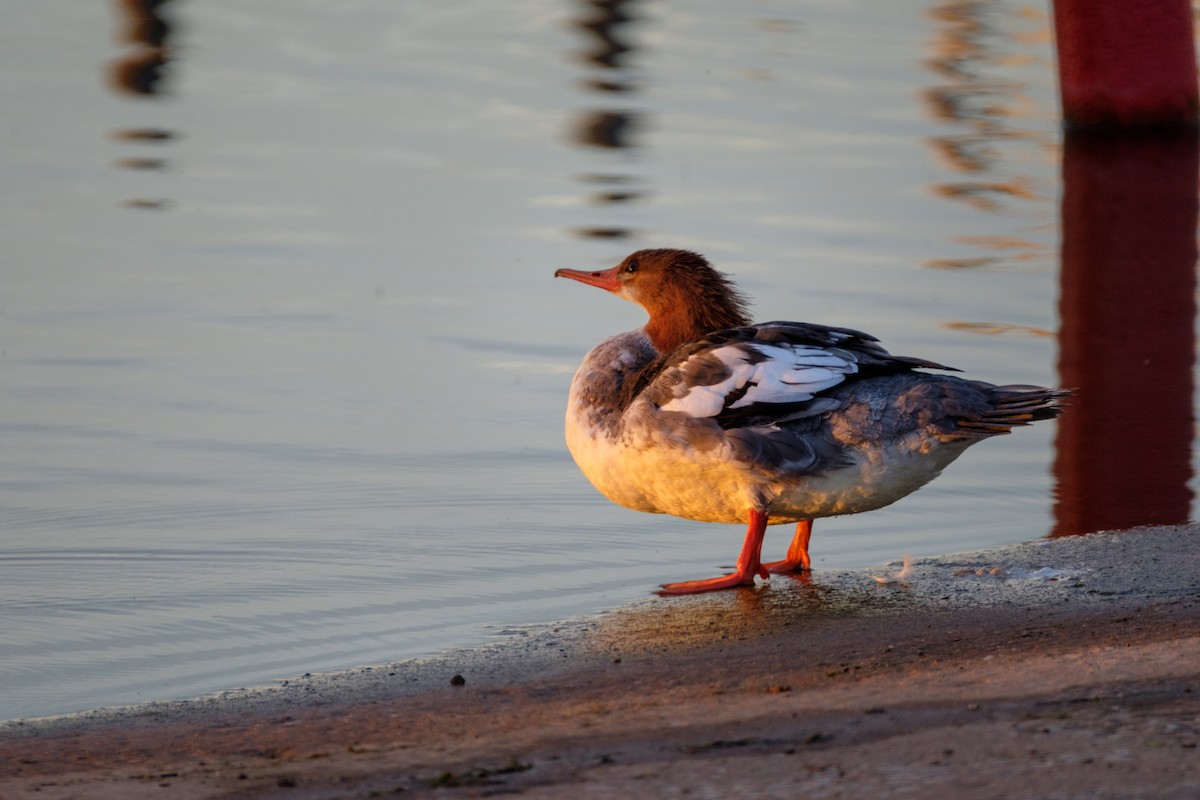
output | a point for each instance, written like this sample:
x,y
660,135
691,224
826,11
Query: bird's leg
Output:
x,y
748,563
797,555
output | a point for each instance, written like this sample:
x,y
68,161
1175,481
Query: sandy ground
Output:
x,y
1063,669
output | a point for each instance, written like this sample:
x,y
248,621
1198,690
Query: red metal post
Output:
x,y
1126,63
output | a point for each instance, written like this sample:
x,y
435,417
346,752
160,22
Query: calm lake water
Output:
x,y
283,366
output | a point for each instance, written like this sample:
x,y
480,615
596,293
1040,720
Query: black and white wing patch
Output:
x,y
767,374
733,381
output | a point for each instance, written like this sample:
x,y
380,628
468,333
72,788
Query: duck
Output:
x,y
705,415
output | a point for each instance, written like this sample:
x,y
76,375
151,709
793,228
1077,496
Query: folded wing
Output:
x,y
766,374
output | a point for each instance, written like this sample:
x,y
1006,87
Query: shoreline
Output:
x,y
807,686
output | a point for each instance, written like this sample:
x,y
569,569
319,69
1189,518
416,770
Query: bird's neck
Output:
x,y
671,327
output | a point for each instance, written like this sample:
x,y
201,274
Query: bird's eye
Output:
x,y
631,266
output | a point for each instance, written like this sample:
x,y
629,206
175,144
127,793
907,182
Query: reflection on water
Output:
x,y
1127,280
1128,306
685,623
139,73
999,328
141,162
141,69
989,118
143,135
606,129
607,49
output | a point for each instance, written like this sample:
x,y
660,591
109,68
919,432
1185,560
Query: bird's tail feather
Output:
x,y
1013,406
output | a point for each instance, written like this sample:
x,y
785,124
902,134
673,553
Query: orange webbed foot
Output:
x,y
748,564
797,559
787,566
732,580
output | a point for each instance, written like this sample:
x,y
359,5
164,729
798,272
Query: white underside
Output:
x,y
662,461
709,487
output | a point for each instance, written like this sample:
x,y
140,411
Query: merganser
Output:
x,y
703,415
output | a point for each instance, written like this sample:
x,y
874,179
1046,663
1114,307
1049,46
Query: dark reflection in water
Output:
x,y
969,41
609,49
606,128
143,135
142,163
140,73
1128,226
606,22
141,70
1128,329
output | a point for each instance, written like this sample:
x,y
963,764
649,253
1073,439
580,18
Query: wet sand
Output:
x,y
1066,668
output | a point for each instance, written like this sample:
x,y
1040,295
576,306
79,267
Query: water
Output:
x,y
283,365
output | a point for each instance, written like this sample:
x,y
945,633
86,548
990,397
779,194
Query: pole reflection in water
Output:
x,y
141,69
140,73
1127,336
607,128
